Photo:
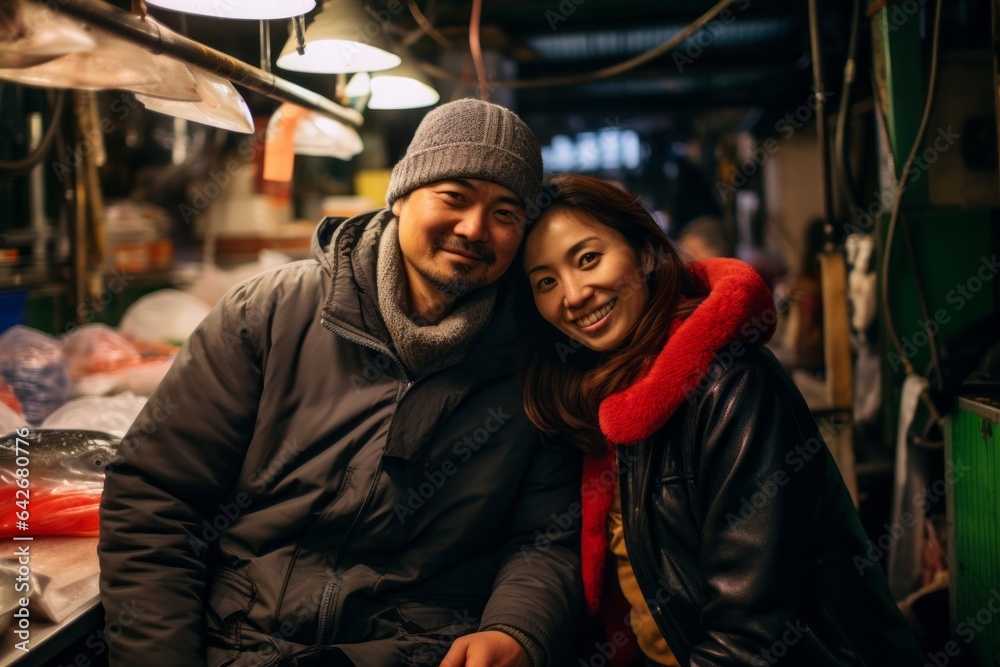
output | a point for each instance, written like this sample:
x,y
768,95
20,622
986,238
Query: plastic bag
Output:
x,y
32,363
9,398
97,348
109,414
66,479
10,420
167,315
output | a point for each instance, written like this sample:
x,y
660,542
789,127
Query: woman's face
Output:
x,y
587,280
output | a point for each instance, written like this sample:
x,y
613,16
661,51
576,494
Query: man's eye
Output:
x,y
508,216
457,196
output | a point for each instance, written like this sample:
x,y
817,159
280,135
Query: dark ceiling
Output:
x,y
744,70
757,52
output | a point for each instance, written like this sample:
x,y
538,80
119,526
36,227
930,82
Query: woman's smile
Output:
x,y
586,279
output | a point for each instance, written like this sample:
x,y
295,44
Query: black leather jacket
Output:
x,y
744,539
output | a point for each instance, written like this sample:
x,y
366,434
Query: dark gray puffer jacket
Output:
x,y
289,496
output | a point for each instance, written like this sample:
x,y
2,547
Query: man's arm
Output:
x,y
176,463
536,596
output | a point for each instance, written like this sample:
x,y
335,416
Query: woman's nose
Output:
x,y
577,294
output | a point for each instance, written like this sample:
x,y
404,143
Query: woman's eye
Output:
x,y
545,282
588,257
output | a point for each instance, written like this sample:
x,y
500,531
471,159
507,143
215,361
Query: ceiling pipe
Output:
x,y
150,36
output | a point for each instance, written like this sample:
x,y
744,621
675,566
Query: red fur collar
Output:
x,y
739,307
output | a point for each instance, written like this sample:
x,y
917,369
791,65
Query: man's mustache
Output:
x,y
478,250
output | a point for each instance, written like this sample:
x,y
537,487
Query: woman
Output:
x,y
736,542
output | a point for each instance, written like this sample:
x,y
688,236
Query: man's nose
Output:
x,y
474,225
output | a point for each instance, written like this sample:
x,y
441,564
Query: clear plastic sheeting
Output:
x,y
220,104
112,62
97,348
164,316
10,421
66,481
32,363
32,34
110,414
64,576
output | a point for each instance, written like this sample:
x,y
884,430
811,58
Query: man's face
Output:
x,y
458,235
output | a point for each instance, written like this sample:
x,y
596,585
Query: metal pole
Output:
x,y
161,40
824,146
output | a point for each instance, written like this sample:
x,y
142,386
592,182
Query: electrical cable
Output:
x,y
612,70
897,204
842,163
27,163
426,25
922,298
476,49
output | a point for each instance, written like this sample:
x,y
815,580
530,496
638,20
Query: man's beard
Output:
x,y
461,281
457,285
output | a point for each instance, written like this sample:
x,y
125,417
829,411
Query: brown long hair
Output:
x,y
563,382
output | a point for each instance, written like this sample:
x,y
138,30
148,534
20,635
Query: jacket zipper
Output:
x,y
407,383
636,507
325,626
370,343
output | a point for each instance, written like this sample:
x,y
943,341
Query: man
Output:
x,y
337,469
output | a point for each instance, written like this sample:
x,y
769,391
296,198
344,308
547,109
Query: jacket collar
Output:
x,y
739,307
347,251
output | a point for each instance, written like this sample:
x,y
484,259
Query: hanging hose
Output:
x,y
27,163
845,182
897,205
824,145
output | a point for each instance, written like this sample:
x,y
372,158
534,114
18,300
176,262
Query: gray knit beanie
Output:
x,y
470,138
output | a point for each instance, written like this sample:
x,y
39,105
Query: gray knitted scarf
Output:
x,y
424,349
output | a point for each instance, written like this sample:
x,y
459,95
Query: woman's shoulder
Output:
x,y
744,370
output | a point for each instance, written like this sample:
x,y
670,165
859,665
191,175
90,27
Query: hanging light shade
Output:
x,y
314,134
113,62
404,87
343,38
239,9
323,136
32,34
220,104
